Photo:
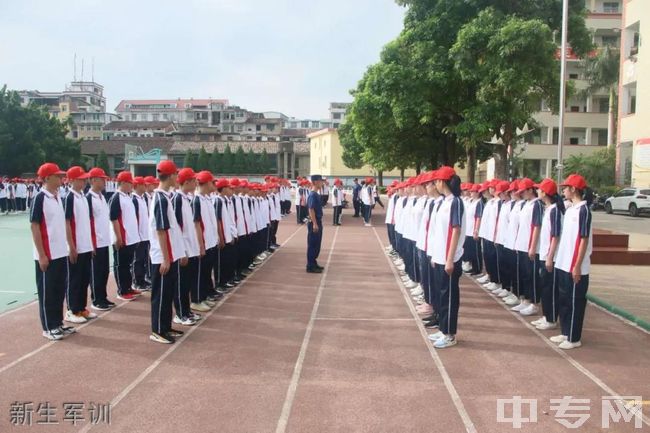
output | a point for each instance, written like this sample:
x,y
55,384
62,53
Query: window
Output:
x,y
575,109
602,137
293,125
165,116
611,7
573,76
258,127
154,117
258,138
134,117
336,116
304,124
574,140
240,128
315,125
611,41
633,104
270,126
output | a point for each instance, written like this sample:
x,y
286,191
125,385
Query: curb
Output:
x,y
619,312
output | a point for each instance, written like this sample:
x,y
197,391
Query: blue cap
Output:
x,y
315,177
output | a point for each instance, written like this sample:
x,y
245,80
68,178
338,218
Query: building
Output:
x,y
192,111
633,145
325,155
586,116
305,124
338,112
121,128
82,102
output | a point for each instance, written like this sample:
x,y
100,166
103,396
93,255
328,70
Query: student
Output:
x,y
376,196
510,258
100,229
47,219
488,226
472,246
205,224
227,229
530,222
505,271
141,256
446,256
337,202
356,200
548,240
393,196
189,277
125,236
3,197
167,255
315,226
368,202
80,247
275,208
573,261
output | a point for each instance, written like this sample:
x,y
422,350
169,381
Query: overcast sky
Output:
x,y
293,56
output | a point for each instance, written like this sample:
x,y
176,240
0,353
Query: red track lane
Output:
x,y
337,352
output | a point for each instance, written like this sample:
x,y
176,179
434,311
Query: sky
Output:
x,y
292,56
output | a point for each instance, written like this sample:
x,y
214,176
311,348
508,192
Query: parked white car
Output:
x,y
631,200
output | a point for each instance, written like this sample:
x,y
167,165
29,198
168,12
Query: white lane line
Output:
x,y
360,319
582,369
22,307
297,369
13,291
451,389
118,398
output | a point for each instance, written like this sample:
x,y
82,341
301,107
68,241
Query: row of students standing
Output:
x,y
534,243
185,236
16,195
426,225
535,253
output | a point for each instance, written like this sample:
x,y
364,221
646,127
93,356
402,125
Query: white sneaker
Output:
x,y
502,293
529,310
199,307
493,287
559,338
54,335
567,345
401,267
538,321
444,342
546,326
188,321
435,336
484,279
410,285
405,278
519,307
511,300
417,291
74,318
398,261
401,273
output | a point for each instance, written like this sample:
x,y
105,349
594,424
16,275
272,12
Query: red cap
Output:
x,y
494,182
243,183
76,172
204,176
222,183
476,187
150,180
139,180
167,167
185,174
49,169
444,173
548,186
502,186
97,172
125,176
484,186
338,181
514,186
576,181
234,182
525,184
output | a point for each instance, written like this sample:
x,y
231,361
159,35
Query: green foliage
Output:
x,y
29,136
203,160
227,160
190,160
263,166
599,169
239,161
352,149
216,162
102,161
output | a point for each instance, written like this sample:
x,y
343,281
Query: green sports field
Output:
x,y
17,284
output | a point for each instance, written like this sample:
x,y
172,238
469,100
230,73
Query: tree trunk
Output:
x,y
610,118
471,164
501,152
418,168
401,174
380,177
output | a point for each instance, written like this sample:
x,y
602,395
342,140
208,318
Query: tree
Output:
x,y
263,165
352,149
249,161
227,160
215,161
30,136
598,169
102,161
239,161
602,72
203,160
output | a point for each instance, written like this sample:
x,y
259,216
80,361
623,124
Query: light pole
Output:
x,y
563,54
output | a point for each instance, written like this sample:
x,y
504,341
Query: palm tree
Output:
x,y
601,72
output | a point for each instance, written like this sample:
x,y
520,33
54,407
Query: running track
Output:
x,y
336,352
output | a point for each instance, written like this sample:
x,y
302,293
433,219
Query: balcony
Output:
x,y
549,151
603,21
573,120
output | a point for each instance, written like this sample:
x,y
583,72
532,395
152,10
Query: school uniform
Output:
x,y
434,291
510,257
529,218
368,202
489,224
77,214
227,229
411,233
473,247
141,257
21,196
356,200
189,277
314,240
390,219
450,215
505,270
241,250
11,197
205,215
100,231
164,287
337,205
573,297
48,213
421,244
275,209
3,197
551,228
122,210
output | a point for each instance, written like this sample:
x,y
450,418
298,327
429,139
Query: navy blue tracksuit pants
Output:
x,y
314,241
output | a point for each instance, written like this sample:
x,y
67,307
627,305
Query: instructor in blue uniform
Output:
x,y
315,226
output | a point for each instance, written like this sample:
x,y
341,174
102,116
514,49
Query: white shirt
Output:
x,y
204,213
47,211
142,214
424,226
100,224
431,241
77,213
366,195
489,219
513,224
21,190
504,221
3,190
161,217
411,229
551,228
449,215
576,225
390,209
122,210
337,196
529,218
225,219
185,218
